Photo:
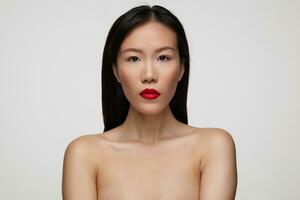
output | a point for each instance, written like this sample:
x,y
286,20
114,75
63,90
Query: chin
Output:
x,y
150,109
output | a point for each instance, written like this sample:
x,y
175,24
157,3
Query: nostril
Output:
x,y
149,80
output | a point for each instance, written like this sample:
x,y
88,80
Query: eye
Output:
x,y
132,59
164,58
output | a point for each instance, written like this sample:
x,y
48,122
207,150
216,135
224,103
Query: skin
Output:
x,y
149,120
151,155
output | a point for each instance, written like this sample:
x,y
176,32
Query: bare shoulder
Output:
x,y
215,137
222,140
218,164
80,168
215,141
86,147
219,136
82,143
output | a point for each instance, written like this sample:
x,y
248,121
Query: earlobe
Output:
x,y
181,71
115,72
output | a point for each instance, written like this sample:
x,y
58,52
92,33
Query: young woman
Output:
x,y
147,149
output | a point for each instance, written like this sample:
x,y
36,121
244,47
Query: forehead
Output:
x,y
150,35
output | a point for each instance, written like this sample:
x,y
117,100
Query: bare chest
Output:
x,y
167,172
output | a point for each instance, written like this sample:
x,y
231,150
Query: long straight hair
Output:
x,y
115,105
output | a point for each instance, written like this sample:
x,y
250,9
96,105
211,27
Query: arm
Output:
x,y
79,172
219,171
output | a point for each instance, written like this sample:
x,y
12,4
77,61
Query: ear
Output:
x,y
182,68
115,70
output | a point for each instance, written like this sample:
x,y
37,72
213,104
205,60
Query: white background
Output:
x,y
244,78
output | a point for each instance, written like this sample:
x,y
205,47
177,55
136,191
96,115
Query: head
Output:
x,y
146,47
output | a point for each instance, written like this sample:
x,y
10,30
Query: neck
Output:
x,y
149,129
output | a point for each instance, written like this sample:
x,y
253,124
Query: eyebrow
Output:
x,y
141,51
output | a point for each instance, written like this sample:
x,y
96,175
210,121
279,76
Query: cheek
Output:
x,y
170,77
128,78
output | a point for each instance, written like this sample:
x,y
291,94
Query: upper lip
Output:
x,y
149,91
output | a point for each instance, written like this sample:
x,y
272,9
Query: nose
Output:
x,y
149,73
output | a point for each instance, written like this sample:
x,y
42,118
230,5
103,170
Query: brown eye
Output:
x,y
164,58
132,59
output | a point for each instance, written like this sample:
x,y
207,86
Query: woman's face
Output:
x,y
149,58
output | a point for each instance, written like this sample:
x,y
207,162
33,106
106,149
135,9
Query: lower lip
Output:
x,y
150,96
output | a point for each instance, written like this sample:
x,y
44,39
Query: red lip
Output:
x,y
149,93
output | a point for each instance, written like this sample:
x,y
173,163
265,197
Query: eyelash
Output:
x,y
166,57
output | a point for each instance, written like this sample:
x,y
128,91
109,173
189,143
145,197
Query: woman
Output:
x,y
147,149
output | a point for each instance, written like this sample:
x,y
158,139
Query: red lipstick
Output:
x,y
149,93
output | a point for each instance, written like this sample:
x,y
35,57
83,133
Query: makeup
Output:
x,y
149,93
